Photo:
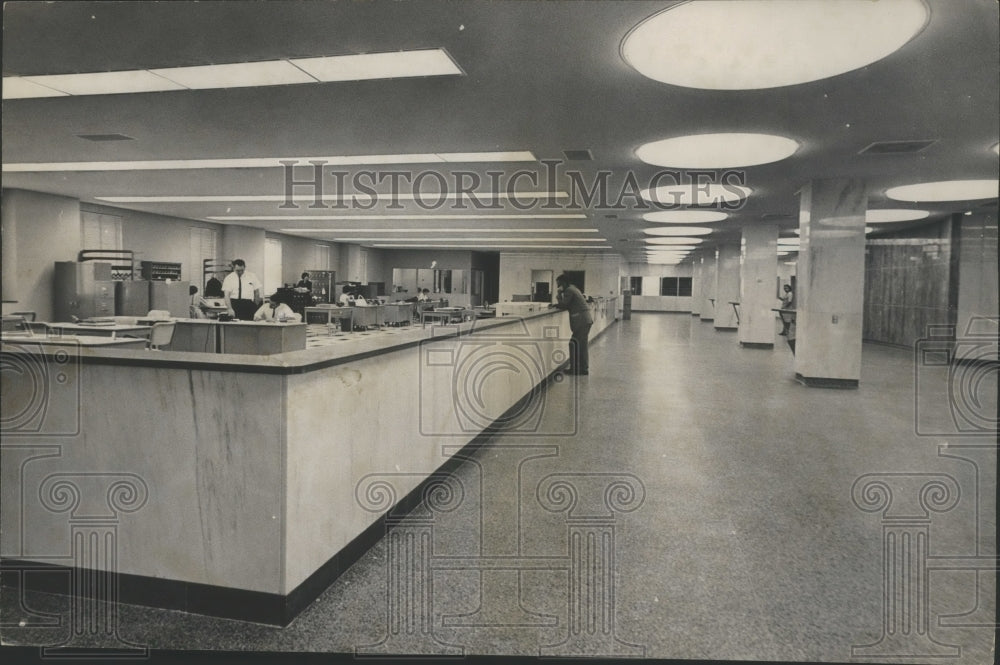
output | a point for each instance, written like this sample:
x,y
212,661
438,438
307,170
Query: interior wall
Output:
x,y
158,237
978,300
602,271
907,283
47,230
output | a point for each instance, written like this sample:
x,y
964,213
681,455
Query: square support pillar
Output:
x,y
727,286
830,285
708,287
758,276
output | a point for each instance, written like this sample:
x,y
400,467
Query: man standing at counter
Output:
x,y
241,289
580,320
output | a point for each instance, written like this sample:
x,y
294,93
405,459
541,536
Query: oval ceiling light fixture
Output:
x,y
889,215
945,190
715,151
678,231
695,194
755,44
685,216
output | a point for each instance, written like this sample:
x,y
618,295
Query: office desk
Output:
x,y
447,315
331,313
260,338
368,316
96,330
103,341
397,313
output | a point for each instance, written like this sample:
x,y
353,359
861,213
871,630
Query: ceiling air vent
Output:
x,y
896,147
578,155
105,137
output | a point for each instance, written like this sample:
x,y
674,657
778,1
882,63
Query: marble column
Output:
x,y
727,286
830,287
758,280
708,286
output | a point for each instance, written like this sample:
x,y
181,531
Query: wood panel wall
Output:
x,y
910,283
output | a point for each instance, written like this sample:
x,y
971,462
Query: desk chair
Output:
x,y
160,335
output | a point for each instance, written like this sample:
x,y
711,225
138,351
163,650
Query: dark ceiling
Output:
x,y
539,76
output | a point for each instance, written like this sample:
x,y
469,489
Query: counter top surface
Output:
x,y
296,362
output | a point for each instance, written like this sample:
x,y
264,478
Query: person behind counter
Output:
x,y
241,289
423,296
346,298
195,310
213,287
305,282
580,321
275,310
787,302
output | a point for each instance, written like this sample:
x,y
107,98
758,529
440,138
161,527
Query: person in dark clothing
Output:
x,y
570,299
305,282
213,287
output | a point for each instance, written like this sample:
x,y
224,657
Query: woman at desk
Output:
x,y
275,310
305,282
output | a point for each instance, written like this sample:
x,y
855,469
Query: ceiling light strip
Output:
x,y
270,162
363,218
470,240
475,246
440,230
328,200
291,71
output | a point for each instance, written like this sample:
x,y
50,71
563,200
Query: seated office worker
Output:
x,y
305,282
241,289
580,321
275,310
346,298
194,309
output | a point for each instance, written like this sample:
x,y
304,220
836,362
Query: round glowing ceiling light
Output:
x,y
696,194
754,44
685,216
996,148
945,190
678,231
713,151
887,215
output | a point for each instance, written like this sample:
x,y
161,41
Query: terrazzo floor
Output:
x,y
686,500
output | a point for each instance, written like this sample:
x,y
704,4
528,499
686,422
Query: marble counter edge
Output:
x,y
290,362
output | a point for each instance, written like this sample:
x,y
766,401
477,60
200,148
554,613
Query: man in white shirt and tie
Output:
x,y
241,289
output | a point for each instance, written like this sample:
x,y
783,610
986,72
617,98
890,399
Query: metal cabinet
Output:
x,y
83,290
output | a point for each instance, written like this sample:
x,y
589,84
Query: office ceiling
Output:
x,y
544,77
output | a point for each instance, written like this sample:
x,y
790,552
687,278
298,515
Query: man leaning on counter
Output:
x,y
241,289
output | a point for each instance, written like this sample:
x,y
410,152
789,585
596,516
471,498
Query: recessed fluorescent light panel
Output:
x,y
398,64
712,151
271,162
16,87
946,190
696,195
679,231
683,242
235,75
754,44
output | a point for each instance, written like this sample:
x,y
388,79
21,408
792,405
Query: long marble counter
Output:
x,y
243,478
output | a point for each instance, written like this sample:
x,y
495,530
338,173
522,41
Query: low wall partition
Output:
x,y
232,485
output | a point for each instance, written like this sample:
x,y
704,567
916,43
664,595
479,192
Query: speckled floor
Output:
x,y
703,509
